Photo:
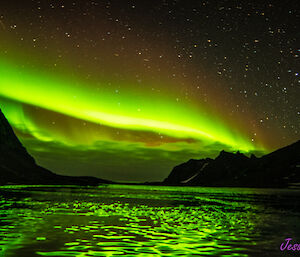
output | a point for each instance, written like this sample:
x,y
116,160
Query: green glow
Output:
x,y
114,220
125,110
15,114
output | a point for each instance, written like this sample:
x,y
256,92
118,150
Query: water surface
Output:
x,y
118,220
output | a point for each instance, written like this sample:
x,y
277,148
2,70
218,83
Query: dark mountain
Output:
x,y
277,169
18,167
186,171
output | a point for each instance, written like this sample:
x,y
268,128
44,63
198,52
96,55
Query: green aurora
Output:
x,y
58,118
124,111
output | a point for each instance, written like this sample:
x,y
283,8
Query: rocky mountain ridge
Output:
x,y
17,166
280,168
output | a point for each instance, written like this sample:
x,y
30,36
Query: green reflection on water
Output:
x,y
144,220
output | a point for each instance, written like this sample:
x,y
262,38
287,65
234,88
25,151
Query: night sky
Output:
x,y
125,90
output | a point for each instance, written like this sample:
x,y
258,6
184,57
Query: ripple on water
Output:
x,y
143,222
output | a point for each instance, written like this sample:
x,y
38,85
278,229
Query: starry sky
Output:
x,y
126,90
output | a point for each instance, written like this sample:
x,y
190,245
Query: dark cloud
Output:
x,y
112,160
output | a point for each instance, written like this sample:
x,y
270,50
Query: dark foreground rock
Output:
x,y
280,168
18,167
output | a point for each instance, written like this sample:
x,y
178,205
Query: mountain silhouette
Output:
x,y
280,168
17,166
